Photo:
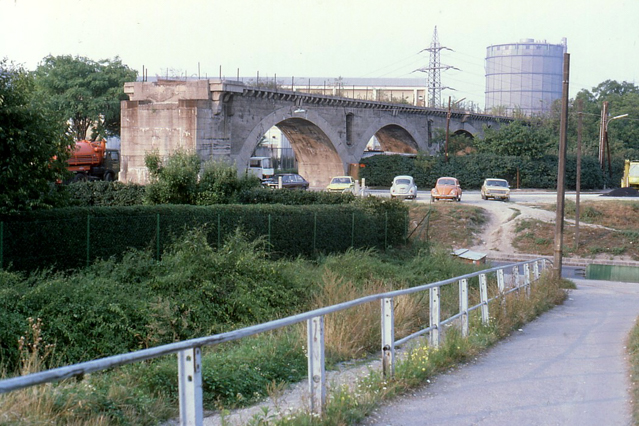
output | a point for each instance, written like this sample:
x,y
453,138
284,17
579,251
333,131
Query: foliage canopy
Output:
x,y
88,93
33,144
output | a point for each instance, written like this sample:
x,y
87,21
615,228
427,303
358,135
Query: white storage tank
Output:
x,y
524,76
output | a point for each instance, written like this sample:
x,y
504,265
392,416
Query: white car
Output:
x,y
497,189
403,187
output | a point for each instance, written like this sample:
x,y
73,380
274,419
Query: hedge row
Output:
x,y
471,170
74,237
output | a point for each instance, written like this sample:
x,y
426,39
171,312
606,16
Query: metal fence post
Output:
x,y
516,277
314,232
316,369
527,278
483,294
88,239
157,235
269,232
536,270
1,245
434,316
463,305
353,231
190,386
500,281
219,231
385,231
388,337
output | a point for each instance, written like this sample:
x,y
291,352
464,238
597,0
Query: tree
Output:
x,y
519,138
33,144
88,93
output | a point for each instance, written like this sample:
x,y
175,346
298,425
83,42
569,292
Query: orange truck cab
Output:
x,y
93,161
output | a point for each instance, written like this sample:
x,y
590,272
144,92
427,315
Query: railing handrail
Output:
x,y
80,369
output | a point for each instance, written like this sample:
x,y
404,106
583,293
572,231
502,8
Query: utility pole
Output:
x,y
579,129
434,83
602,133
561,175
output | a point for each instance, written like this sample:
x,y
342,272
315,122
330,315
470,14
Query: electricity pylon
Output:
x,y
434,85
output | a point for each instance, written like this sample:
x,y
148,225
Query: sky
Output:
x,y
323,38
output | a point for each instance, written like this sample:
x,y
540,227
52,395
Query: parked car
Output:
x,y
497,189
340,184
403,187
446,188
289,181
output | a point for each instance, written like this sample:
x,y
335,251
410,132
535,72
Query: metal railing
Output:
x,y
189,351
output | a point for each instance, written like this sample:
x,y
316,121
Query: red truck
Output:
x,y
93,161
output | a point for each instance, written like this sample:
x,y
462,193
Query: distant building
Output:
x,y
525,76
408,91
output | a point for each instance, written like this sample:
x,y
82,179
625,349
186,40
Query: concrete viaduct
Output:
x,y
227,119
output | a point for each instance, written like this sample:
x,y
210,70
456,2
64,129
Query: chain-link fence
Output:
x,y
76,241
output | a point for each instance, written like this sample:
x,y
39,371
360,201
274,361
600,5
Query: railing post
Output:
x,y
190,386
388,337
527,278
536,269
500,280
483,294
463,305
434,316
316,371
516,277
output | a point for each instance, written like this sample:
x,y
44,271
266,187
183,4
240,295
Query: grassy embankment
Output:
x,y
155,302
617,234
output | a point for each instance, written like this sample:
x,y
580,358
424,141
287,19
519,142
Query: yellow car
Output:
x,y
341,184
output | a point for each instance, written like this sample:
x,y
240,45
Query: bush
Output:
x,y
115,307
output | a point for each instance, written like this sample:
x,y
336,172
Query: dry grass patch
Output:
x,y
354,333
621,215
535,236
449,223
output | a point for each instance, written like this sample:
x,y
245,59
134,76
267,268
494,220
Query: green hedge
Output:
x,y
74,237
471,170
100,193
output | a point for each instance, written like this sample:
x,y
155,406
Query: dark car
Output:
x,y
288,181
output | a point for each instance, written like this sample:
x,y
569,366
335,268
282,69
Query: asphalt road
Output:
x,y
516,196
567,367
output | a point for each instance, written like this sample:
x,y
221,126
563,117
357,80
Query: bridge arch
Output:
x,y
312,139
394,136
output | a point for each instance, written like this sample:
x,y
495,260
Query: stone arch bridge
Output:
x,y
227,120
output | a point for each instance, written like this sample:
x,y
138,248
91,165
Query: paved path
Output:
x,y
568,367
